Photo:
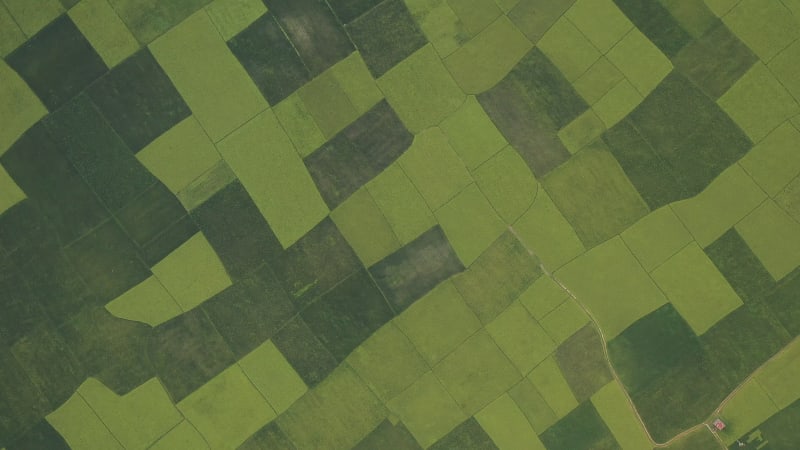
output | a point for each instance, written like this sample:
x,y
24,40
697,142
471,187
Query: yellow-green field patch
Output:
x,y
299,125
209,78
438,322
547,233
779,376
10,193
508,184
183,436
192,273
180,155
774,237
550,383
568,49
365,227
273,376
80,427
147,302
388,362
266,163
748,407
20,108
613,406
103,28
612,284
472,133
601,21
421,90
434,168
640,61
227,409
508,427
563,321
488,57
730,197
233,16
581,131
542,297
138,418
401,203
427,410
696,288
656,237
521,337
470,223
775,161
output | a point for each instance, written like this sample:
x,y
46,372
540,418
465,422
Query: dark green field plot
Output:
x,y
582,428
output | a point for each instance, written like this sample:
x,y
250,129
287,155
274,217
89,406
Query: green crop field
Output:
x,y
399,224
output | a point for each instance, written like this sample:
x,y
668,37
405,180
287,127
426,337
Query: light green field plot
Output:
x,y
656,237
183,437
508,184
438,322
10,193
338,413
547,233
568,49
207,75
427,410
266,163
470,223
601,21
532,404
472,134
365,227
564,321
180,155
508,427
729,198
233,16
521,337
488,57
103,28
497,277
779,376
581,131
696,288
227,409
388,362
192,273
542,297
748,407
615,104
80,427
598,80
774,162
33,16
20,108
273,376
613,285
774,237
299,125
785,67
11,36
357,83
328,104
206,185
434,168
767,27
640,61
137,419
603,204
550,383
439,23
475,14
400,202
613,406
421,90
758,102
476,373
